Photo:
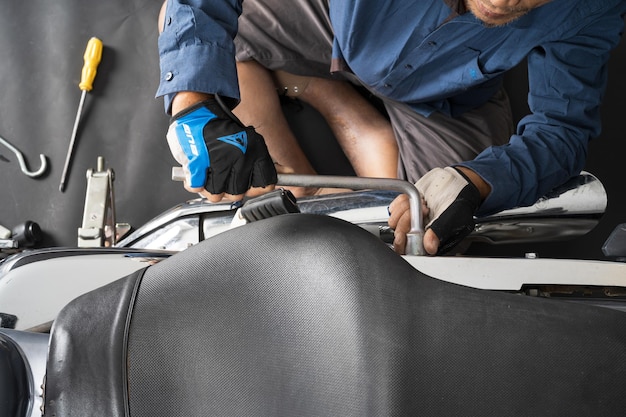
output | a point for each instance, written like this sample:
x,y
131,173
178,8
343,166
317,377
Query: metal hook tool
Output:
x,y
22,162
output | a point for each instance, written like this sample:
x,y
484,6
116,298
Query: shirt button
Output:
x,y
169,20
169,76
387,85
408,66
432,43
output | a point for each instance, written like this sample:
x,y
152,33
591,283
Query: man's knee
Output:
x,y
289,84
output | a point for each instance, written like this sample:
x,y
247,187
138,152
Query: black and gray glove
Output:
x,y
452,200
217,152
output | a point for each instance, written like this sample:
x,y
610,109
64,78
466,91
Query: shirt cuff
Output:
x,y
202,68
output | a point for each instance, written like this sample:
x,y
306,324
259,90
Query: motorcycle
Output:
x,y
302,308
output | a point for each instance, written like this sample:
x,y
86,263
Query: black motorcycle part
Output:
x,y
7,321
14,391
274,203
305,315
615,244
27,234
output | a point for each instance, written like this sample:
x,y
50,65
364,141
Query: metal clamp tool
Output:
x,y
99,227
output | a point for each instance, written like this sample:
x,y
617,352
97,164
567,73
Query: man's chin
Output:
x,y
489,17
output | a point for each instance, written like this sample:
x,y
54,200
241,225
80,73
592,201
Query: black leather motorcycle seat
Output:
x,y
304,315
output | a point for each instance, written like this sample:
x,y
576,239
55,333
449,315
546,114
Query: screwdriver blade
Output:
x,y
70,149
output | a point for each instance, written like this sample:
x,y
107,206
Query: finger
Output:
x,y
404,222
431,242
231,197
214,198
257,191
403,226
263,173
399,243
398,202
397,208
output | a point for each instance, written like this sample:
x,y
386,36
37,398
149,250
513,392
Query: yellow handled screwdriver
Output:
x,y
92,57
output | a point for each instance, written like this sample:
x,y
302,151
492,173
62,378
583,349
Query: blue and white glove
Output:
x,y
217,152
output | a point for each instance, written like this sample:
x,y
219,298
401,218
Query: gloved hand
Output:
x,y
449,201
218,153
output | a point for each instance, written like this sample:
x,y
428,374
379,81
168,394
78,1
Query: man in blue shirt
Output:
x,y
434,59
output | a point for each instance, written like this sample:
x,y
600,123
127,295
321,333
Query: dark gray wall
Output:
x,y
42,44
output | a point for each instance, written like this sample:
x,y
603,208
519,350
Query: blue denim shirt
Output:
x,y
419,53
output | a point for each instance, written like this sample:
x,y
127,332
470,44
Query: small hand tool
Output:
x,y
92,56
22,162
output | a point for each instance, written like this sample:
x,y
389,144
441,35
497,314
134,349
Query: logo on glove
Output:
x,y
191,140
238,140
